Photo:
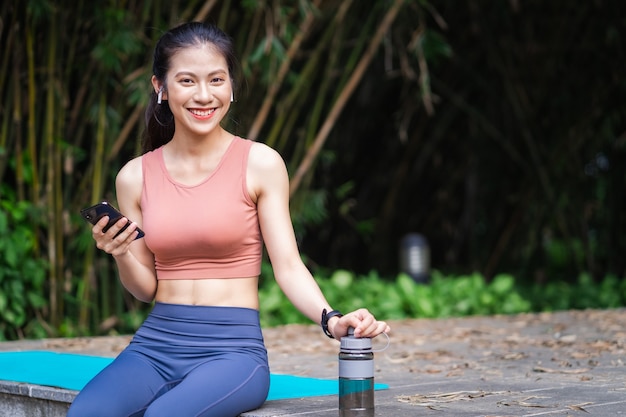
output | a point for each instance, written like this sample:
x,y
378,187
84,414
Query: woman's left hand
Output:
x,y
363,322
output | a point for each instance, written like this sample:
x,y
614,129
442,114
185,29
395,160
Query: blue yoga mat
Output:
x,y
72,371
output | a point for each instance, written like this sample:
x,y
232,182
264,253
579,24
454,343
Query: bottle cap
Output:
x,y
350,342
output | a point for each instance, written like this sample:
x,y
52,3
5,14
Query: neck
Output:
x,y
185,144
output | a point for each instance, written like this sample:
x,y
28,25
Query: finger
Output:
x,y
381,327
363,322
368,328
113,241
131,233
100,225
117,227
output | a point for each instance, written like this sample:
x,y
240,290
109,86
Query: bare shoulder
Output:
x,y
263,158
267,172
130,172
129,180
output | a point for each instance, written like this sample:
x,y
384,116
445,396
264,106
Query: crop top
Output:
x,y
207,230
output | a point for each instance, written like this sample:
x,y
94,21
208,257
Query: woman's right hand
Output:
x,y
108,242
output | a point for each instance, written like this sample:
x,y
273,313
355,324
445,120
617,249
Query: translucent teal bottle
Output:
x,y
356,376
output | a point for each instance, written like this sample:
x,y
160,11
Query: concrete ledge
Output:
x,y
27,400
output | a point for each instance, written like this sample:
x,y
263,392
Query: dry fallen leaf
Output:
x,y
525,403
431,400
514,356
560,371
579,407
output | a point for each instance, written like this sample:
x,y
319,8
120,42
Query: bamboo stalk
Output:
x,y
59,208
424,77
131,122
205,10
50,194
80,104
303,84
9,48
96,192
320,102
5,139
32,130
102,298
276,83
223,19
16,121
338,106
252,30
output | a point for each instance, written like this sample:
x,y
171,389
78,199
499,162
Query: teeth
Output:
x,y
201,112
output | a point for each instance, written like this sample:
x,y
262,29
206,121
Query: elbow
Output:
x,y
145,296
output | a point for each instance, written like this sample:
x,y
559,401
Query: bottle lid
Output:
x,y
352,343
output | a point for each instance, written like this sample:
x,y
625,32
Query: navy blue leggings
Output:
x,y
184,361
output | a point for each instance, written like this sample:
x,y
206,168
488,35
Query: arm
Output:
x,y
269,183
134,260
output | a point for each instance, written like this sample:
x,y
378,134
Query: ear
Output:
x,y
158,85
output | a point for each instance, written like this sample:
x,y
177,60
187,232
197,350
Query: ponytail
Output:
x,y
159,125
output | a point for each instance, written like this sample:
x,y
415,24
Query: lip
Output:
x,y
202,114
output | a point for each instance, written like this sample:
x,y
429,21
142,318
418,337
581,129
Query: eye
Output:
x,y
186,81
217,80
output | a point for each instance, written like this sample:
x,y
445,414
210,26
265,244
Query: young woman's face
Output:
x,y
198,89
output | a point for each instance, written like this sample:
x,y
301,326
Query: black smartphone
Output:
x,y
94,213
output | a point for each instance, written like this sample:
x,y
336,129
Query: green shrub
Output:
x,y
585,293
442,296
22,274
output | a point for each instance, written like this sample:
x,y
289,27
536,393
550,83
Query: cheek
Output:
x,y
223,93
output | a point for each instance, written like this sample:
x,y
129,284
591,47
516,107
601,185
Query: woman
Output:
x,y
207,201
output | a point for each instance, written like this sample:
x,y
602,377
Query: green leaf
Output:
x,y
3,302
502,284
36,300
342,279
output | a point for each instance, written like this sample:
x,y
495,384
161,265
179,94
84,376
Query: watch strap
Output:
x,y
327,316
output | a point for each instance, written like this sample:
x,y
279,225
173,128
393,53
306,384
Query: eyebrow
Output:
x,y
219,71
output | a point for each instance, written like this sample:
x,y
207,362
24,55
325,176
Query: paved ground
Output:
x,y
560,364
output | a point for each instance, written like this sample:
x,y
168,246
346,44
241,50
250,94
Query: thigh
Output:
x,y
224,387
123,389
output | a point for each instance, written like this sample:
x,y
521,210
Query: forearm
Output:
x,y
137,278
303,292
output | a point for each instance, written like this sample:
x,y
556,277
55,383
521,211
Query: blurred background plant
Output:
x,y
22,273
498,132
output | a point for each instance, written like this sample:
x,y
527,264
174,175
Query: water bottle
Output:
x,y
356,376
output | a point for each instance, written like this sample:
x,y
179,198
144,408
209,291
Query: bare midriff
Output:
x,y
224,292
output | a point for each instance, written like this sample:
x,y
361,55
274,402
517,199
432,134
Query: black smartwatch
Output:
x,y
327,316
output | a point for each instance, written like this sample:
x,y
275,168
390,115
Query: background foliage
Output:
x,y
496,129
445,296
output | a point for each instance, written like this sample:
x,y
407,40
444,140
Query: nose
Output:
x,y
203,93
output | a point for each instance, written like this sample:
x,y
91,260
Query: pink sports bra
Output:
x,y
208,230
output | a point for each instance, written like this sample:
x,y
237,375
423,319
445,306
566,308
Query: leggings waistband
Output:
x,y
213,314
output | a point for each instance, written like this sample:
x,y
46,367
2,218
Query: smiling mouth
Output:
x,y
201,113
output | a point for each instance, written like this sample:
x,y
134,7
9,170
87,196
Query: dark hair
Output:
x,y
159,118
